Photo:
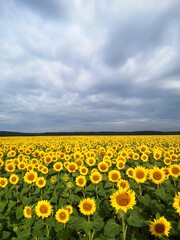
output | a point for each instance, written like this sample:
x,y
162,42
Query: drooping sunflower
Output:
x,y
40,182
87,206
114,176
160,227
157,175
30,177
58,166
176,202
140,174
3,182
27,212
95,177
80,181
70,209
62,215
123,200
43,209
14,179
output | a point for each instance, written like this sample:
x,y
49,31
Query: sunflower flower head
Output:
x,y
160,227
87,206
123,200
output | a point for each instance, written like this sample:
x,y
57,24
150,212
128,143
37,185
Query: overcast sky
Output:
x,y
95,65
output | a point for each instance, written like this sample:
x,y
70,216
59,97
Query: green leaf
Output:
x,y
135,220
111,228
87,226
26,201
39,224
11,204
98,223
59,227
90,188
19,212
161,193
5,235
108,185
23,235
145,199
50,222
2,206
75,222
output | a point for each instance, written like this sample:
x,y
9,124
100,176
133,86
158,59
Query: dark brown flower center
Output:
x,y
159,228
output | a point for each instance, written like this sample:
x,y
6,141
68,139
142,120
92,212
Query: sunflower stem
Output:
x,y
47,230
124,227
140,189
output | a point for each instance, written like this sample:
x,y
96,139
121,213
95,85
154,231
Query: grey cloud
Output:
x,y
51,9
139,34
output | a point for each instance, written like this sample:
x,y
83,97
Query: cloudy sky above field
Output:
x,y
75,65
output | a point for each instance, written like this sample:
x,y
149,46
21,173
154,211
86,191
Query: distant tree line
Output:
x,y
89,133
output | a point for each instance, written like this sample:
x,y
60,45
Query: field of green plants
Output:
x,y
90,188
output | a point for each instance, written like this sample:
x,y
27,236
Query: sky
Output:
x,y
96,65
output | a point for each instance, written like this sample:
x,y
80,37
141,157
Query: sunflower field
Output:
x,y
90,187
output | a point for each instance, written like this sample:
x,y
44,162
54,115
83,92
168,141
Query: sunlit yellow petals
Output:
x,y
123,200
160,227
87,206
43,209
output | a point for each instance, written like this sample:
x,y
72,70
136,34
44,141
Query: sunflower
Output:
x,y
62,215
3,182
83,170
174,170
14,179
43,209
167,161
72,167
80,181
123,200
10,167
87,206
70,209
160,227
95,177
103,166
40,182
27,212
135,156
176,202
114,175
91,161
157,175
123,184
120,164
129,172
58,166
1,162
30,177
48,159
21,165
44,170
140,174
144,157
